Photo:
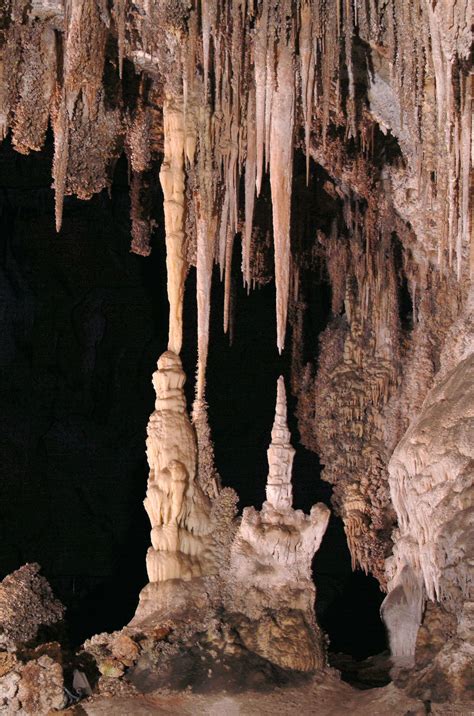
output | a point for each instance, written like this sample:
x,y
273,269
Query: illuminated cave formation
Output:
x,y
294,181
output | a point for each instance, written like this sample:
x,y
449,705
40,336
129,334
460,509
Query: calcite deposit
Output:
x,y
178,509
27,604
431,482
270,567
31,672
221,105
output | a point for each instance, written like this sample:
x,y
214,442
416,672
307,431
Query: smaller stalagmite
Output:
x,y
280,456
271,586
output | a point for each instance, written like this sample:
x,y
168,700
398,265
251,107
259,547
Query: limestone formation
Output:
x,y
432,488
270,566
176,505
31,673
41,687
245,107
280,457
192,517
172,182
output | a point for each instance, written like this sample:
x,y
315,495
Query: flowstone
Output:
x,y
431,482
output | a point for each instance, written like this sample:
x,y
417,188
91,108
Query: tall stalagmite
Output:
x,y
177,507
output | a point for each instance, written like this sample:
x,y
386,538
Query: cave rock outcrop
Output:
x,y
431,484
27,604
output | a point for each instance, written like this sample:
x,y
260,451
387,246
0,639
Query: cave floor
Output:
x,y
326,695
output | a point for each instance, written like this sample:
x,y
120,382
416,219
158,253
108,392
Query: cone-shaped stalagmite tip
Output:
x,y
280,455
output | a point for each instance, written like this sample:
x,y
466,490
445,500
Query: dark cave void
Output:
x,y
83,322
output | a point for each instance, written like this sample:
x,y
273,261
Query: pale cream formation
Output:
x,y
270,567
431,485
177,507
172,183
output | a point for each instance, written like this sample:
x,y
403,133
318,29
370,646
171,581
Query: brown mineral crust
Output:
x,y
37,74
41,686
26,604
8,662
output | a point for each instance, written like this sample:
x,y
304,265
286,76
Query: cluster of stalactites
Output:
x,y
237,80
344,412
247,128
288,77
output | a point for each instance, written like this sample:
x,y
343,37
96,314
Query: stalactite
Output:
x,y
250,178
36,87
95,142
204,262
260,89
206,41
61,153
358,372
270,77
337,264
137,139
228,279
84,55
281,172
142,224
9,63
206,218
172,183
348,35
307,60
119,10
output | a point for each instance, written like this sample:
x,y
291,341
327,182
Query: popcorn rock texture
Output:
x,y
26,604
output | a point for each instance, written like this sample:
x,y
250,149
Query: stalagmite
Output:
x,y
280,456
270,567
172,183
177,507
